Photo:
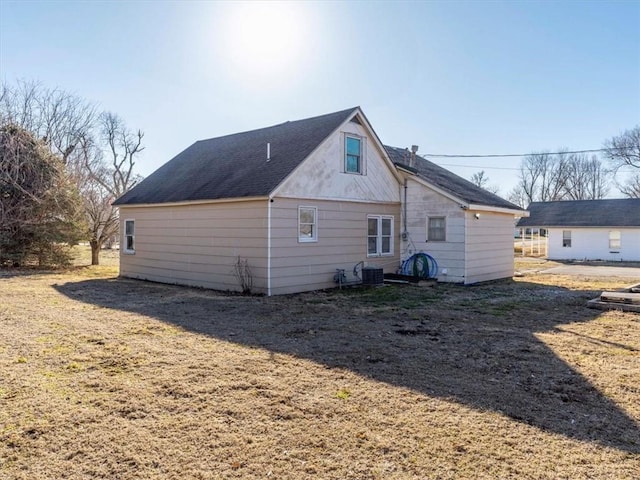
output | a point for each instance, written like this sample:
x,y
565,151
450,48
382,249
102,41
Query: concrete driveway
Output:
x,y
595,271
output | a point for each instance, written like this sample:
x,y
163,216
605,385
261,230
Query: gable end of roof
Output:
x,y
236,165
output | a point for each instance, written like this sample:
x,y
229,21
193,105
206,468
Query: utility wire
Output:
x,y
625,168
439,155
476,166
507,155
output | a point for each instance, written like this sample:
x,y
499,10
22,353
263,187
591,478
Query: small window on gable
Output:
x,y
566,238
307,224
353,155
129,236
614,240
437,229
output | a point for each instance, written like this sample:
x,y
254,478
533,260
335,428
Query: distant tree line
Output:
x,y
62,163
545,176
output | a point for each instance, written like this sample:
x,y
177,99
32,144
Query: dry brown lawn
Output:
x,y
110,378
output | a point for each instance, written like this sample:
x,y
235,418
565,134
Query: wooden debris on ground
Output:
x,y
627,299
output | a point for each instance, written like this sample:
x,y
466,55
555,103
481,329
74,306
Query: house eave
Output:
x,y
489,208
193,202
406,168
547,226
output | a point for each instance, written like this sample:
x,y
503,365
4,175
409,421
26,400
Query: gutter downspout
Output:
x,y
404,219
466,246
269,246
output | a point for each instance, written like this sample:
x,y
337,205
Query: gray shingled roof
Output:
x,y
619,212
235,166
448,181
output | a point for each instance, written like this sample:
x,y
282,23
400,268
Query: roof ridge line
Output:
x,y
277,125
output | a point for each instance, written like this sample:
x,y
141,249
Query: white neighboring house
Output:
x,y
607,229
302,199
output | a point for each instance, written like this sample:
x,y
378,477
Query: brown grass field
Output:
x,y
103,377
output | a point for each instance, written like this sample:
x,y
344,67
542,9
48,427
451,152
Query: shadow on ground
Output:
x,y
476,345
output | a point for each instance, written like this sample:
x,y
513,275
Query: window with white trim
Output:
x,y
615,240
353,154
436,229
129,236
566,238
307,224
379,235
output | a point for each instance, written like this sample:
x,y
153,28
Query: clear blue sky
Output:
x,y
451,77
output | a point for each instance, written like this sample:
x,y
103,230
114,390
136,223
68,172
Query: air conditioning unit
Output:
x,y
372,276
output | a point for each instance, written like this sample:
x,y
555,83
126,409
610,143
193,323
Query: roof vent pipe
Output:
x,y
412,162
268,151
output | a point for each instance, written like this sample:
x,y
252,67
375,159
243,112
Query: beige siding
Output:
x,y
423,202
322,175
489,248
197,244
342,243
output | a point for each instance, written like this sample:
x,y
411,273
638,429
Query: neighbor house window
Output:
x,y
566,238
436,229
379,235
614,240
307,224
353,155
129,236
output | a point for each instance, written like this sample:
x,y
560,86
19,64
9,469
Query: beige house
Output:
x,y
301,200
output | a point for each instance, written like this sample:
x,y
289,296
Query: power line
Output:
x,y
625,168
508,155
476,166
503,155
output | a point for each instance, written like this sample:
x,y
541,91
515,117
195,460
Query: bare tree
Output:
x,y
98,150
102,218
122,150
517,196
542,179
58,118
631,188
556,177
482,180
587,179
624,149
110,173
547,177
479,179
